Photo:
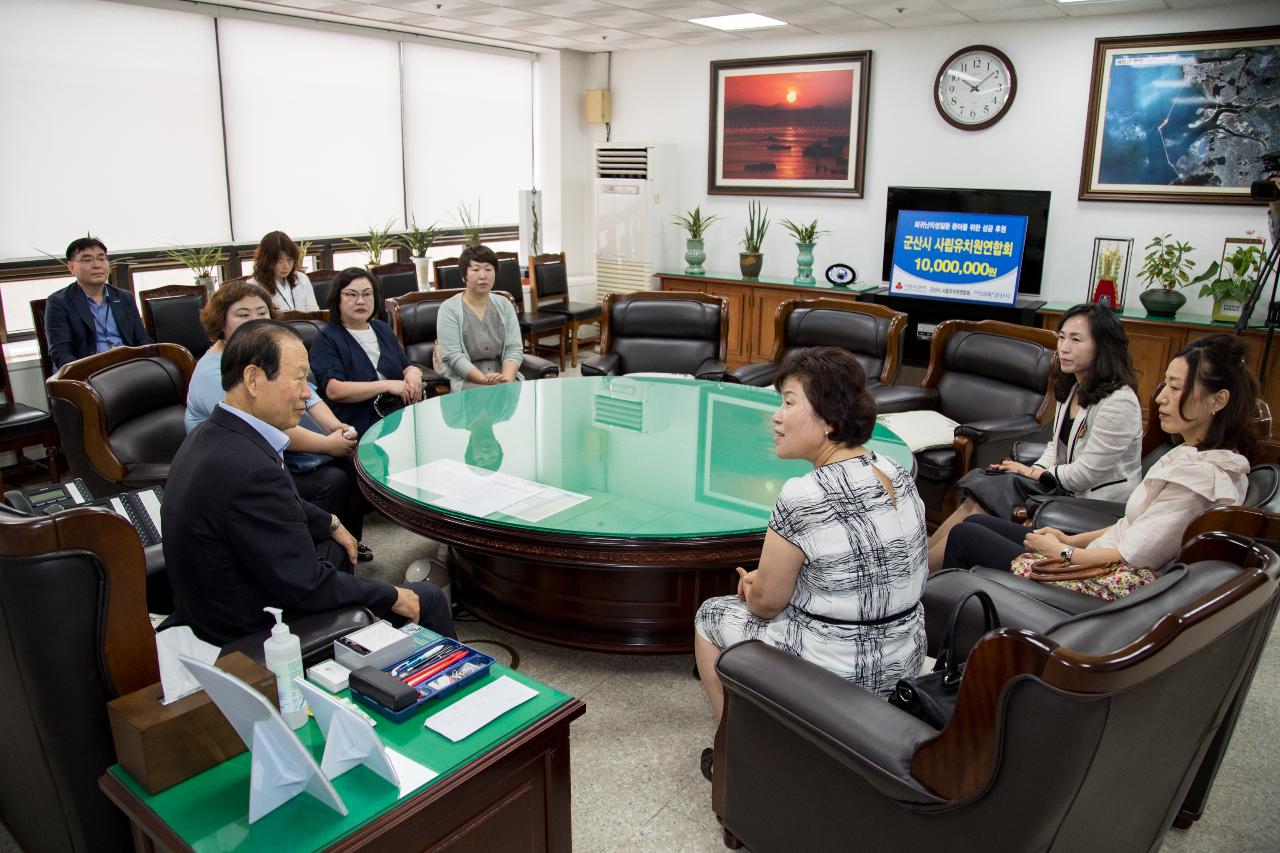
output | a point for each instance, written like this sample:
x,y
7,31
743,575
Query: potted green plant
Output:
x,y
470,225
1165,268
200,261
418,241
1231,282
695,225
380,239
751,260
805,236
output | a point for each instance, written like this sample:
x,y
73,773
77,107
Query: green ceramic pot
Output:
x,y
804,264
1161,302
694,256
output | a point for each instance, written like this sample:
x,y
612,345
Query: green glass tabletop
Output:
x,y
210,811
625,456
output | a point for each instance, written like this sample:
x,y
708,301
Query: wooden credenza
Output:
x,y
1154,340
752,306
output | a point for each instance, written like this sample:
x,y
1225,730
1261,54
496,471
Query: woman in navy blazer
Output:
x,y
355,357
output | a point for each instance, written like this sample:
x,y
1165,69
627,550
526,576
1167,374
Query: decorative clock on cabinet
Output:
x,y
975,87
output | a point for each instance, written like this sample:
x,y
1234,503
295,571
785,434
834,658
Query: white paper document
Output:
x,y
477,492
473,712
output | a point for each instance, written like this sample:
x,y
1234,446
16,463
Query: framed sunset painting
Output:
x,y
789,125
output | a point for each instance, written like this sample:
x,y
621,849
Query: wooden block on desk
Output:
x,y
162,745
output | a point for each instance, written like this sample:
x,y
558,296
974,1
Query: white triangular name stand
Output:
x,y
349,740
281,767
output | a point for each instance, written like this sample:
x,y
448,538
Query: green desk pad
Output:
x,y
211,811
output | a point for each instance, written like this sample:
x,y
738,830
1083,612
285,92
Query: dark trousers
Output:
x,y
333,488
984,540
433,607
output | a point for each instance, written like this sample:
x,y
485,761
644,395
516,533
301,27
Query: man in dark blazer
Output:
x,y
237,536
90,315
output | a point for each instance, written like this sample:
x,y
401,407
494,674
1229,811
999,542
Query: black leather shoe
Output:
x,y
363,553
704,763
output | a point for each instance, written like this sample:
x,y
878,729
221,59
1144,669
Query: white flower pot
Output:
x,y
423,269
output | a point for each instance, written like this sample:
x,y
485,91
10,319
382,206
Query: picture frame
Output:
x,y
789,125
1154,134
1112,269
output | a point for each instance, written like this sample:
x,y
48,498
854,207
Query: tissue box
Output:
x,y
162,745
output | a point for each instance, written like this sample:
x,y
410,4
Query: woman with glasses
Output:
x,y
355,357
479,332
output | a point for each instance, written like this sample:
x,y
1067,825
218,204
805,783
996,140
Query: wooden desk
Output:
x,y
1154,340
752,305
505,787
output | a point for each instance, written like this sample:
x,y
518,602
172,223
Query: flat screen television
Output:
x,y
1033,204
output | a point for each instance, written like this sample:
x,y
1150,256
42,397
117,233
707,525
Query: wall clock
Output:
x,y
975,87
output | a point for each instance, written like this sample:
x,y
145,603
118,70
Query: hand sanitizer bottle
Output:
x,y
283,653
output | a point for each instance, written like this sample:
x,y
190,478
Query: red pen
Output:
x,y
419,677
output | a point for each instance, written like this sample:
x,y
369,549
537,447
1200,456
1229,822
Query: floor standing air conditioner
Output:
x,y
635,196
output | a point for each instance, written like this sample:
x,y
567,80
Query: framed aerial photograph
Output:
x,y
789,125
1182,117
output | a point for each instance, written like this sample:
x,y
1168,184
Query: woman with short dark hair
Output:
x,y
356,357
276,269
479,331
844,558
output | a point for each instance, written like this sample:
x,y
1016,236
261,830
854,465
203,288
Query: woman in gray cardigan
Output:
x,y
1096,446
478,333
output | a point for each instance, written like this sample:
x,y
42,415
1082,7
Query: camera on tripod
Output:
x,y
1266,189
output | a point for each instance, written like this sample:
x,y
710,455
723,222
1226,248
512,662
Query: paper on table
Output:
x,y
443,477
412,775
174,677
546,503
496,493
471,713
475,491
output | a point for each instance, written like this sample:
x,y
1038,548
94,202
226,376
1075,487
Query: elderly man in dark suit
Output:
x,y
237,536
90,315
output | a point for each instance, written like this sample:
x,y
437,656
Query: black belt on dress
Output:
x,y
884,620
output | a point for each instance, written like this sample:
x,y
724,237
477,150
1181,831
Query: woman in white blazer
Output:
x,y
1095,449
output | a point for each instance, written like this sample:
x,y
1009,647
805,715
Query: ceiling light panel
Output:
x,y
739,22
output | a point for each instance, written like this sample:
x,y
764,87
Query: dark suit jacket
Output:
x,y
68,324
237,537
335,354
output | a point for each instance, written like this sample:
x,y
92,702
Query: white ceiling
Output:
x,y
602,25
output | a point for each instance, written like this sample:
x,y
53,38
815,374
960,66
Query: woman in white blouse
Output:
x,y
1208,403
275,268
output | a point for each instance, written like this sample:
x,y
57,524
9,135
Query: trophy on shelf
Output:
x,y
1109,273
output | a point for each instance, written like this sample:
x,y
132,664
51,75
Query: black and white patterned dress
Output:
x,y
866,559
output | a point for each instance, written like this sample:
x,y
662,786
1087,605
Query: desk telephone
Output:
x,y
141,506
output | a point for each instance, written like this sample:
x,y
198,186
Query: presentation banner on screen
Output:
x,y
966,257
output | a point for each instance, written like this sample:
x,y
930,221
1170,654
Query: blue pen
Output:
x,y
401,668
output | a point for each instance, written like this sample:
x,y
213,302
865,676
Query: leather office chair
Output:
x,y
1055,720
320,281
42,340
662,332
80,573
395,280
534,325
306,323
446,274
171,315
990,377
550,293
413,319
873,333
120,414
23,426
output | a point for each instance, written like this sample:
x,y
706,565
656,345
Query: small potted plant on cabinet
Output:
x,y
751,259
201,263
1165,268
806,236
418,241
695,224
1231,282
380,240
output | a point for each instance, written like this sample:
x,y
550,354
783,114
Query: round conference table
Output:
x,y
593,512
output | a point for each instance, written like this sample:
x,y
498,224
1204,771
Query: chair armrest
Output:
x,y
1000,429
1055,597
866,734
1077,515
711,370
1027,452
904,398
761,375
315,631
1016,607
601,365
536,367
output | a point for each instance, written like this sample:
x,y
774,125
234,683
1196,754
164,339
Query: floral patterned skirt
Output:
x,y
1117,583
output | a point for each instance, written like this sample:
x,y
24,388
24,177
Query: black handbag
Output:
x,y
932,697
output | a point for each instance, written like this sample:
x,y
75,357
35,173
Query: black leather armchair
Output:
x,y
395,280
662,332
549,277
1052,720
120,414
990,377
23,426
535,325
320,283
171,314
80,575
306,323
447,276
873,333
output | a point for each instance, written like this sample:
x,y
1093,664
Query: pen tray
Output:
x,y
426,692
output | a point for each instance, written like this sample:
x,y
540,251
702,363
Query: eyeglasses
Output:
x,y
91,259
358,297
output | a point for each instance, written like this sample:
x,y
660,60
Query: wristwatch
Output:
x,y
1066,553
334,524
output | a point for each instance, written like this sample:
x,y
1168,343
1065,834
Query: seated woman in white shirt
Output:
x,y
276,264
1208,404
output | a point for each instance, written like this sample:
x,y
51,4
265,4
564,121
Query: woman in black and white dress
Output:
x,y
844,558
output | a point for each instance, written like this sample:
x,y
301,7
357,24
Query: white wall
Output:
x,y
662,96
